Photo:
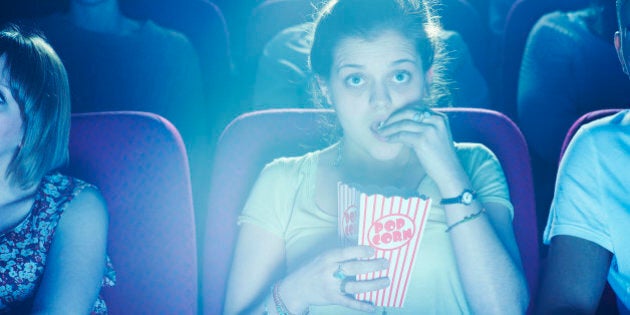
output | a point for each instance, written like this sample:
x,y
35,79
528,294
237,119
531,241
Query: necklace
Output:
x,y
404,179
338,159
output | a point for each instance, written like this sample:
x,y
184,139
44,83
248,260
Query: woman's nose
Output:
x,y
380,96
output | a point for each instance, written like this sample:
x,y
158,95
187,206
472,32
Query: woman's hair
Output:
x,y
367,19
341,19
39,84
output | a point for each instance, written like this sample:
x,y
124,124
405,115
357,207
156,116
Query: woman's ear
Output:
x,y
622,58
323,88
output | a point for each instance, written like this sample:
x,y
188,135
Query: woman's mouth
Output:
x,y
375,128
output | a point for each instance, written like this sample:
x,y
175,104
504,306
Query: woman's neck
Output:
x,y
403,172
10,192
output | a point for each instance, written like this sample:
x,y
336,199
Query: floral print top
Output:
x,y
23,248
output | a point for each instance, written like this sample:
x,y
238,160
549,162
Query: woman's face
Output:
x,y
370,79
10,118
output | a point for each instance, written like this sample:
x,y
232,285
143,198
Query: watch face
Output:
x,y
467,198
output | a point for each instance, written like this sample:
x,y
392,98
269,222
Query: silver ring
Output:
x,y
339,274
426,114
342,286
417,116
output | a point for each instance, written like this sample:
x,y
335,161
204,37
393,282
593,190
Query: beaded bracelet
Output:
x,y
280,307
467,218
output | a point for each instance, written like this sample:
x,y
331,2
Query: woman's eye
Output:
x,y
401,77
354,80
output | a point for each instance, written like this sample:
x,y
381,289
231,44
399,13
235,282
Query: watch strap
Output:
x,y
466,198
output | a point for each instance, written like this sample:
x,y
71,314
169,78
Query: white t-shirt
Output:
x,y
592,198
283,202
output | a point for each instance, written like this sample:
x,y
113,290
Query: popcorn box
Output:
x,y
393,226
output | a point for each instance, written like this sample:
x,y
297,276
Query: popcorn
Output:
x,y
393,226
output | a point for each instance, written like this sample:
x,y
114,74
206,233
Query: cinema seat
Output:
x,y
256,138
139,163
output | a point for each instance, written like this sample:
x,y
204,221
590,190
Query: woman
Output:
x,y
53,228
370,63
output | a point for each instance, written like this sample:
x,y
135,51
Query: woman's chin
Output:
x,y
387,152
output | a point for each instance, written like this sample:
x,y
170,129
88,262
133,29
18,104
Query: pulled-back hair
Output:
x,y
39,84
341,19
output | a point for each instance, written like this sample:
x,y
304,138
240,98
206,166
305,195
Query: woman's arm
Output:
x,y
485,249
574,277
258,260
76,259
488,260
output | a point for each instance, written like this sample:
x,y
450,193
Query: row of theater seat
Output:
x,y
139,162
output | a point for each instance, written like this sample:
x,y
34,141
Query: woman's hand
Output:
x,y
428,133
319,282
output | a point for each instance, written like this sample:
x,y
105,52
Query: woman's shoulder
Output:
x,y
80,201
472,149
59,183
57,188
293,164
473,155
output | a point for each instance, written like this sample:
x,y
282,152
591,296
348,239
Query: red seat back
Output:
x,y
139,163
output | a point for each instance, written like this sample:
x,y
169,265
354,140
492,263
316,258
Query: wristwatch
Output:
x,y
466,198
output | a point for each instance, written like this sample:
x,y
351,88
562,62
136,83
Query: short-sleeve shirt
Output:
x,y
283,203
592,199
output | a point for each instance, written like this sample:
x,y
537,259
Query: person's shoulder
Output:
x,y
83,197
449,37
555,18
291,163
288,171
472,148
473,155
296,38
607,127
88,209
152,30
557,22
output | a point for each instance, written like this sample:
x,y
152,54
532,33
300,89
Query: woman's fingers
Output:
x,y
357,267
354,287
416,128
412,117
411,113
330,279
355,304
349,253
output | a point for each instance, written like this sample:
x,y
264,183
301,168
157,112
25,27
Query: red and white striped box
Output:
x,y
393,226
